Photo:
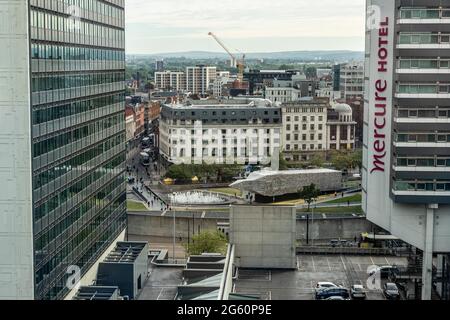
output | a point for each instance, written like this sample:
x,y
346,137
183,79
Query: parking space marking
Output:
x,y
387,261
359,266
343,263
314,266
159,295
373,263
329,266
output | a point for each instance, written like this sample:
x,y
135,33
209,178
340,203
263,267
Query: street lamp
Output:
x,y
312,223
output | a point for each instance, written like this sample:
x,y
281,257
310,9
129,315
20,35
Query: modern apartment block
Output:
x,y
258,80
199,79
159,65
291,90
312,125
352,81
227,131
406,176
170,80
62,142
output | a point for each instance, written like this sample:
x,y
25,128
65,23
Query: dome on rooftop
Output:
x,y
343,108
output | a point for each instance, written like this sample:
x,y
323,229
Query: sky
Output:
x,y
161,26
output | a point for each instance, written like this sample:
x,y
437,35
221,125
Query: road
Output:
x,y
145,174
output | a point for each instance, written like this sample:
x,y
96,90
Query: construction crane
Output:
x,y
234,62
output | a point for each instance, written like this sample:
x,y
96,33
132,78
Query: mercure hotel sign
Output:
x,y
381,97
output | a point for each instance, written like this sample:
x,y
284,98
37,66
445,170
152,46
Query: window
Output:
x,y
442,114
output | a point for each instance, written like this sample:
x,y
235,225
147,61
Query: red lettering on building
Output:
x,y
381,85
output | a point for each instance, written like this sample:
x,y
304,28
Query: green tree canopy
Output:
x,y
207,242
309,194
342,160
318,160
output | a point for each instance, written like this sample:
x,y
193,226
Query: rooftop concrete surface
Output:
x,y
299,284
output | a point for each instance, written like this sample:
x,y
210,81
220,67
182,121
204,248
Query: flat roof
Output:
x,y
125,252
267,173
227,103
96,293
299,284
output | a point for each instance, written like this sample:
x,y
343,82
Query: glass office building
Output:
x,y
65,62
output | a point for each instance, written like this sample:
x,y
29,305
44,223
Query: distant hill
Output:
x,y
341,55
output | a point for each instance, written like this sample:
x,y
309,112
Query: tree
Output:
x,y
318,160
282,163
357,159
207,242
309,194
347,160
311,72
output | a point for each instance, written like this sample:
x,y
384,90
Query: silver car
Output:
x,y
324,285
357,292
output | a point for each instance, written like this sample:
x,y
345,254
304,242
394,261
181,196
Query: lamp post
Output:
x,y
174,230
312,223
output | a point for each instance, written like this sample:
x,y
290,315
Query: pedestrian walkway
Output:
x,y
152,202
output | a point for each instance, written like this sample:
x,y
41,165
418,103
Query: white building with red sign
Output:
x,y
406,176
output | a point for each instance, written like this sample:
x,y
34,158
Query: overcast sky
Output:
x,y
156,26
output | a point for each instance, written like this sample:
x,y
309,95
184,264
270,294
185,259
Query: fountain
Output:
x,y
197,198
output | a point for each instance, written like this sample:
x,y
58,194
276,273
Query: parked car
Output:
x,y
325,285
336,298
357,292
130,179
332,292
390,291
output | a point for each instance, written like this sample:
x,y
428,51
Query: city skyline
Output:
x,y
178,26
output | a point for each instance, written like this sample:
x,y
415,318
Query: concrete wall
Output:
x,y
141,269
117,274
16,213
264,237
328,229
158,226
320,229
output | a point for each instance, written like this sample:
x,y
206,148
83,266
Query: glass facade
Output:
x,y
78,124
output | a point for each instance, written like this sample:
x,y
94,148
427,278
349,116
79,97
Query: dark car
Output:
x,y
390,291
385,271
332,292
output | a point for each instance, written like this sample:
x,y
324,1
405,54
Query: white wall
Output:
x,y
376,184
16,234
408,222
